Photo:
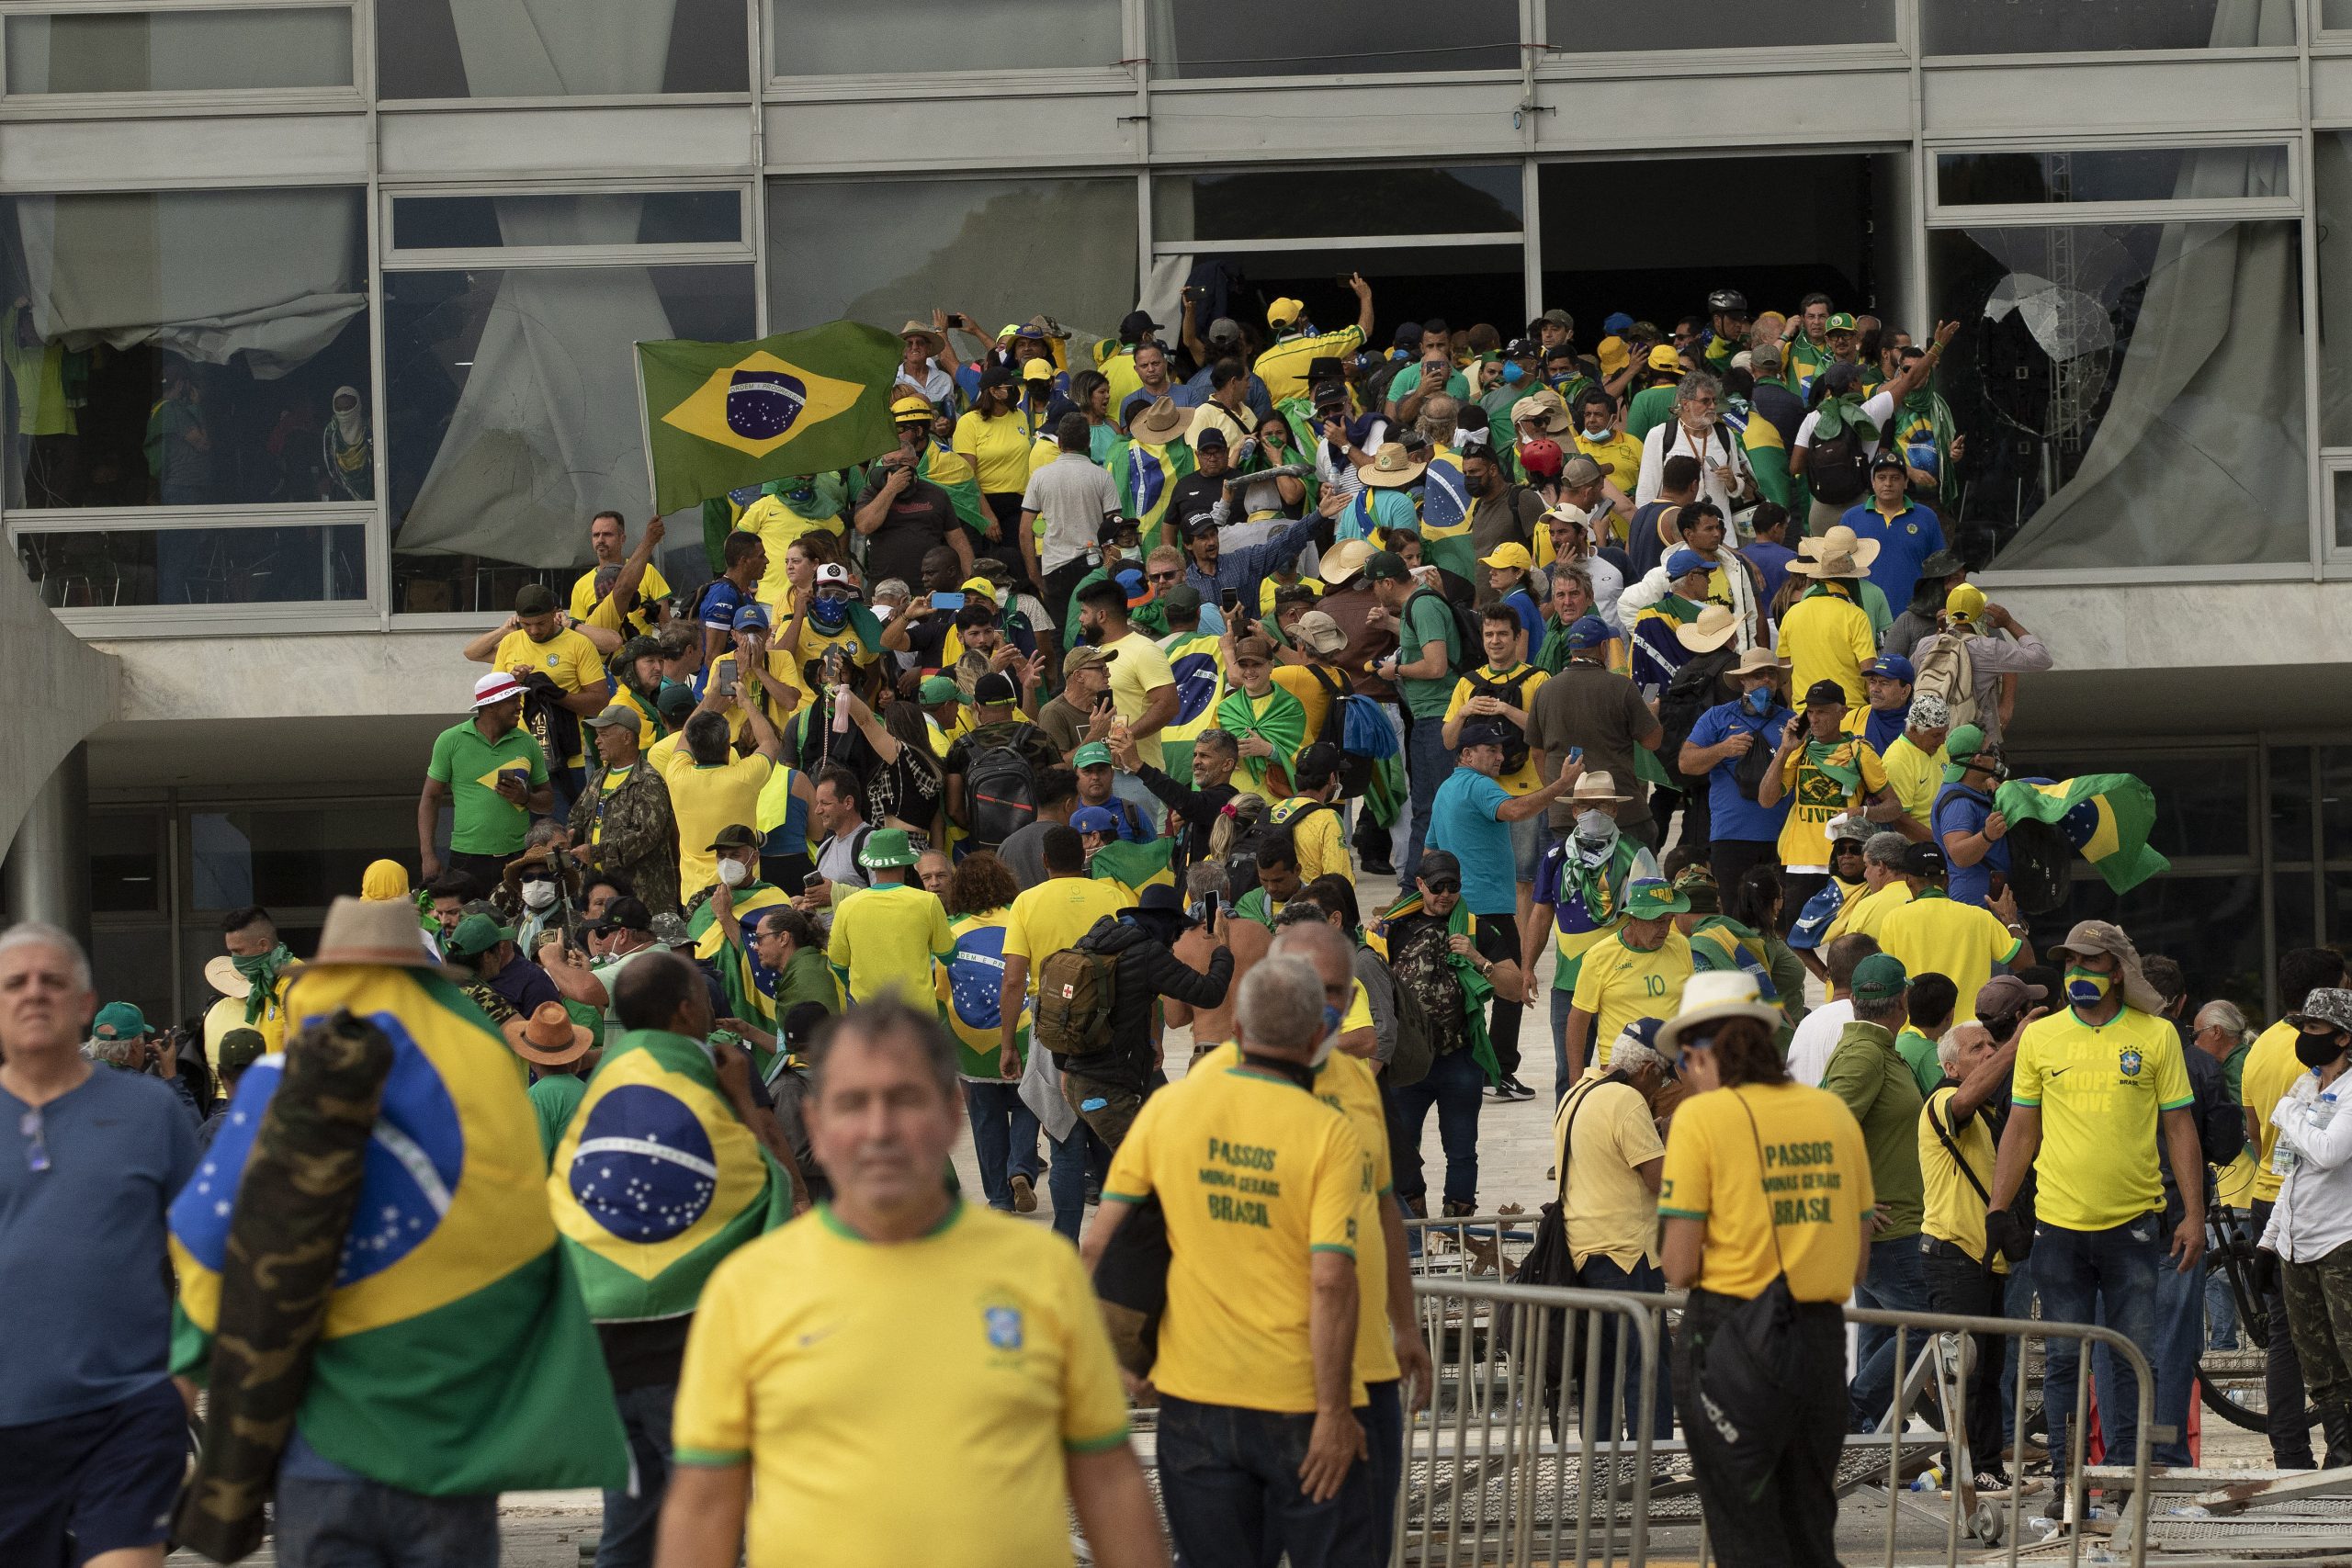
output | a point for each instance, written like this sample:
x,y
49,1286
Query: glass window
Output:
x,y
531,49
515,416
289,858
642,218
1271,204
2291,805
2212,926
997,250
2334,14
179,51
2107,174
1240,38
199,566
126,863
134,962
2332,193
1591,27
185,348
2068,26
2335,806
2131,392
2202,799
813,38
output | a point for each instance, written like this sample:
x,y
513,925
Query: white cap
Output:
x,y
496,687
831,572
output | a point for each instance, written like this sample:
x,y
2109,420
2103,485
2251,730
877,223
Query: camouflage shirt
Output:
x,y
635,832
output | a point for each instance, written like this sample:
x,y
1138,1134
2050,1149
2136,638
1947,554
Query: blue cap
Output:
x,y
1618,323
1093,819
1682,562
1589,631
752,616
1892,666
1643,1032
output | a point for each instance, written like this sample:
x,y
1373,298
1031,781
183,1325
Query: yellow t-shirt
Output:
x,y
1346,1084
974,1357
2099,1091
1620,456
1610,1208
1282,368
1914,776
1001,446
1617,983
1138,670
778,526
1827,637
885,937
1529,680
703,800
229,1013
1933,935
2270,1071
1863,915
650,587
1300,682
1819,1179
1055,914
568,659
1954,1212
1322,848
1804,835
1252,1176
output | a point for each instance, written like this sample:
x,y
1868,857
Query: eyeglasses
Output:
x,y
1444,884
1701,402
36,1144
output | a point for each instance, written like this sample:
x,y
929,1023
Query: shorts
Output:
x,y
1529,838
108,1476
1107,1112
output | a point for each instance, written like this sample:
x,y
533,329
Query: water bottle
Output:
x,y
2324,1112
1929,1480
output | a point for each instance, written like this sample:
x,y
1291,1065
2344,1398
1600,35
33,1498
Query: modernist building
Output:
x,y
395,251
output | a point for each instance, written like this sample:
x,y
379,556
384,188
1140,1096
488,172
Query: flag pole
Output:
x,y
644,426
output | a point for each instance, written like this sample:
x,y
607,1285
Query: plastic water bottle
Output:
x,y
1929,1480
2325,1112
2283,1160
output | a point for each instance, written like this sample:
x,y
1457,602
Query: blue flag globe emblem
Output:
x,y
644,1169
976,981
762,404
1148,478
1195,685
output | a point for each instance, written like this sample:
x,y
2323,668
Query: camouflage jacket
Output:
x,y
635,833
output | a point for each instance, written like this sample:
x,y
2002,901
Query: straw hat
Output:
x,y
1711,996
371,931
1163,422
1545,405
220,974
922,330
1835,553
1597,788
1759,660
1344,560
1716,626
548,1036
1390,468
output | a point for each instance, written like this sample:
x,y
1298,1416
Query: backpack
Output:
x,y
1241,861
1944,668
1355,767
1075,987
1001,794
1837,467
1463,640
1514,692
1408,1063
1693,690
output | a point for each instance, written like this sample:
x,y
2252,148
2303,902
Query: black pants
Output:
x,y
485,869
1005,506
1796,889
1957,1284
1732,859
1056,589
1770,1494
1692,798
2283,1382
1498,939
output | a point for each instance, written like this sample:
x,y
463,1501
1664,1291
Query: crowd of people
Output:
x,y
1096,710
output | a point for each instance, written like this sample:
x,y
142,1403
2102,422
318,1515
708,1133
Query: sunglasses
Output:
x,y
1444,884
35,1144
1166,576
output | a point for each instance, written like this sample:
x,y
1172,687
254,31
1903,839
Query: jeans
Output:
x,y
2282,1380
632,1522
1498,939
1229,1480
1733,858
1962,1287
1456,1085
1785,1517
2180,1340
1383,1437
1563,1003
1897,1282
363,1524
1427,762
1601,1272
1075,1158
1004,1138
2104,1277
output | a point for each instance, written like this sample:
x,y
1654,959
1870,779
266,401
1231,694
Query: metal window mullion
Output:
x,y
182,519
1346,242
379,232
2077,214
536,257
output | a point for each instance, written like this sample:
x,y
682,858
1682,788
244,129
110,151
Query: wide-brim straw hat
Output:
x,y
1163,422
1390,468
1838,552
548,1036
1716,626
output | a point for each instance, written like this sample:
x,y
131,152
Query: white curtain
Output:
x,y
547,431
205,274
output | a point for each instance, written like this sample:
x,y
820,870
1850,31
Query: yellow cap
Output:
x,y
910,407
1511,553
981,586
1284,312
1613,354
383,881
1663,357
1965,602
1037,370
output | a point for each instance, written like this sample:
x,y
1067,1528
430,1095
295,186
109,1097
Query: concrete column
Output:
x,y
47,876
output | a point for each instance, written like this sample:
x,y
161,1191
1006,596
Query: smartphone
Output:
x,y
813,880
946,600
1230,600
1212,906
1341,280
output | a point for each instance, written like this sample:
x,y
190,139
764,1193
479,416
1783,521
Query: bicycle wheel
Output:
x,y
2230,1374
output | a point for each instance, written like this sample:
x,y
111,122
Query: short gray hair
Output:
x,y
114,1053
543,832
1303,940
1885,848
1282,1005
2222,1015
1632,1056
1204,877
1949,1048
1696,382
38,934
890,588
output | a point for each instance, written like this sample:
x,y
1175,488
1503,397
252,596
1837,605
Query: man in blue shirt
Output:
x,y
1907,533
93,1433
1973,835
1741,833
1888,679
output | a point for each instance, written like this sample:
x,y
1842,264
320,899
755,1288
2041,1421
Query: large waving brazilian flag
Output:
x,y
656,1180
455,1357
1193,659
721,417
1145,474
2107,817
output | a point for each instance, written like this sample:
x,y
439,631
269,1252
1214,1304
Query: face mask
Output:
x,y
733,872
829,614
1513,373
1759,701
2314,1050
1597,432
1597,828
538,895
2086,989
1330,1040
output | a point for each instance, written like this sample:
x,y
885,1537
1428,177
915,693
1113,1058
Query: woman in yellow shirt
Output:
x,y
994,437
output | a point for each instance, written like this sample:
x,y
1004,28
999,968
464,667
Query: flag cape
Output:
x,y
1135,866
1145,475
1277,717
1446,516
1721,942
730,416
951,474
455,1357
750,989
1200,686
656,1180
2107,817
970,988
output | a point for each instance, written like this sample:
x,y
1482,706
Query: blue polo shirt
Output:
x,y
1905,539
1730,814
1960,809
1463,822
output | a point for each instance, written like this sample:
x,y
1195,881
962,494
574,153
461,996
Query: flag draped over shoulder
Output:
x,y
728,416
1145,474
1198,667
656,1180
455,1357
1278,718
954,474
1134,867
2107,817
1446,516
750,989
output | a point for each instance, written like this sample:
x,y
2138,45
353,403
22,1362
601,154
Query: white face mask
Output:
x,y
1597,828
538,895
733,872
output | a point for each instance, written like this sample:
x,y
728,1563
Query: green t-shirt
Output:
x,y
1408,380
1877,1087
1427,619
483,821
1920,1052
553,1099
1651,407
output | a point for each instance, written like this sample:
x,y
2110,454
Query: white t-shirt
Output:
x,y
1878,409
1816,1041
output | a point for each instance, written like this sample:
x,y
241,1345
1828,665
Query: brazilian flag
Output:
x,y
749,988
1446,516
1145,474
955,476
1193,659
1134,867
2107,817
455,1357
722,417
656,1180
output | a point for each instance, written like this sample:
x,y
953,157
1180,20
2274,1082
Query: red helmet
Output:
x,y
1540,456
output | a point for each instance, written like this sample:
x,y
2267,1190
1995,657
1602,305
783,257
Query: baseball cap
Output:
x,y
1664,358
535,599
1578,472
477,934
1589,631
240,1049
120,1020
1683,562
1136,323
1387,566
1209,440
1184,598
1961,747
1079,659
1511,554
1892,667
1881,977
1408,335
1521,348
619,715
749,615
1037,370
1890,459
1093,754
833,574
1923,860
1482,735
1320,632
1093,819
1825,693
1137,588
1617,321
1436,863
1284,312
675,701
938,689
1225,329
1928,711
625,915
2006,994
994,688
735,835
1965,602
1840,322
496,687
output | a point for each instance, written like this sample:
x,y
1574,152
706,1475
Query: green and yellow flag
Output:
x,y
457,1358
2107,817
656,1180
749,988
1134,867
1145,474
721,417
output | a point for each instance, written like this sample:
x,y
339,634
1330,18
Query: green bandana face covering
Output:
x,y
261,971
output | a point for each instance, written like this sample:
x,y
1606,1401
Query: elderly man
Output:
x,y
1580,888
1915,760
1964,1277
1635,972
1884,887
93,1435
1730,747
999,1349
622,821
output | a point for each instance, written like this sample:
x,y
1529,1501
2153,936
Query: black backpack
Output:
x,y
1837,467
1241,861
1355,768
1465,647
1514,692
999,793
1696,687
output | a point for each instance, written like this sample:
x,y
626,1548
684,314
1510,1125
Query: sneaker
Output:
x,y
1378,868
1025,1196
1511,1089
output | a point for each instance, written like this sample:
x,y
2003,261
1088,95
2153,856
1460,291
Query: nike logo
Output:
x,y
2056,1071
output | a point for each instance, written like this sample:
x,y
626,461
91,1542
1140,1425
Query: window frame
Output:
x,y
194,100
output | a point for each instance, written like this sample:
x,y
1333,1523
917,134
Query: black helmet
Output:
x,y
1727,302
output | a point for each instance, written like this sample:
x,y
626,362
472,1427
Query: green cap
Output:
x,y
1881,977
1959,749
939,689
1093,754
886,847
119,1021
1653,900
477,934
1387,566
1840,322
240,1049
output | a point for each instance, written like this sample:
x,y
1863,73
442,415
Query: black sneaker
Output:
x,y
1378,868
1511,1089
